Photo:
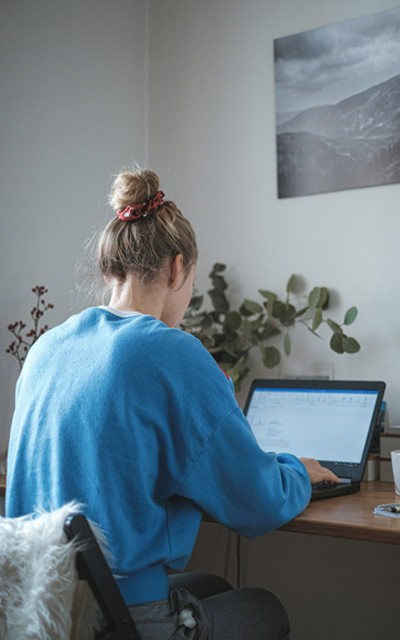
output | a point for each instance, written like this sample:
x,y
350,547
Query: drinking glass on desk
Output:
x,y
395,455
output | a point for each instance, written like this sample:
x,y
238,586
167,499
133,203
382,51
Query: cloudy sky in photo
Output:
x,y
324,66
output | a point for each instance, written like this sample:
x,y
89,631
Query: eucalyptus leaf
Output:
x,y
284,312
336,328
257,323
237,373
317,319
219,283
351,315
234,371
301,312
192,322
247,331
324,303
336,343
350,345
313,298
233,320
219,301
323,297
219,340
269,306
214,350
209,332
287,345
268,332
196,302
268,294
314,332
217,268
209,345
206,322
290,283
271,357
230,358
252,307
244,312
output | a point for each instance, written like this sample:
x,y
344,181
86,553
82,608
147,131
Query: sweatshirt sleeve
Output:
x,y
243,487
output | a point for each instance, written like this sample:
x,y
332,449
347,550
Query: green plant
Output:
x,y
23,342
229,335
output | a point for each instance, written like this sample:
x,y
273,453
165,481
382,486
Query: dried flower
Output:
x,y
25,342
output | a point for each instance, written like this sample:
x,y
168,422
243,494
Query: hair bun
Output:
x,y
133,187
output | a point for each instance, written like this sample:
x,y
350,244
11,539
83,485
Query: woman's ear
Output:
x,y
176,269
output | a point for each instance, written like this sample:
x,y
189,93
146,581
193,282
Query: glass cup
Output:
x,y
395,455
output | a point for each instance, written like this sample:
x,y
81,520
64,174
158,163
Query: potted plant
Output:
x,y
229,335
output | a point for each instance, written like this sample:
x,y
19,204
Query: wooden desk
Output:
x,y
351,516
345,517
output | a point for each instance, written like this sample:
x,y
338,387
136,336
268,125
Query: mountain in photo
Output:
x,y
354,143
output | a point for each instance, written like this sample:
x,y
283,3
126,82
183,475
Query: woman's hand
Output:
x,y
318,473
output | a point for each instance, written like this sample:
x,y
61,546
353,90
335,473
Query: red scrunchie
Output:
x,y
136,211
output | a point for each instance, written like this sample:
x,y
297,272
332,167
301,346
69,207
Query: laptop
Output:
x,y
329,420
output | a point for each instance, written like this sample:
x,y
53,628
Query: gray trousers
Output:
x,y
206,607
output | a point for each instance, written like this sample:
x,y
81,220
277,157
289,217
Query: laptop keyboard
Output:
x,y
322,486
326,490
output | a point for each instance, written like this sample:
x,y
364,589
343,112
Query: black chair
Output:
x,y
92,566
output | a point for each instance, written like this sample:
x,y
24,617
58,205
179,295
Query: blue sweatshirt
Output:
x,y
137,421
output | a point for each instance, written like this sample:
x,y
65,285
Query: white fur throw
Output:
x,y
38,578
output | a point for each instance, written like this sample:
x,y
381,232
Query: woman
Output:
x,y
122,411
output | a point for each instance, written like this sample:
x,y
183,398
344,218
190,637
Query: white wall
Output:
x,y
212,138
73,109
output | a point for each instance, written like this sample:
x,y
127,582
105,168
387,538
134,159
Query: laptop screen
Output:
x,y
323,424
330,421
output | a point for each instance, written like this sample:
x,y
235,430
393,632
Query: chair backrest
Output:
x,y
92,566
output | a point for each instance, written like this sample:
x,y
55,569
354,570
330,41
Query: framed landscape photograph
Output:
x,y
337,96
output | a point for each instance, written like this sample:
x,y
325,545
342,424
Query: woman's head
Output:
x,y
150,233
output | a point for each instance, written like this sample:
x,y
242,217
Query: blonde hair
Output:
x,y
144,246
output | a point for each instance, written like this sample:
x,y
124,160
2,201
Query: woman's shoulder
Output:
x,y
178,342
146,336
